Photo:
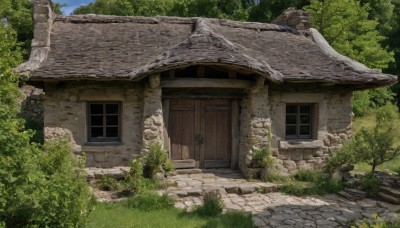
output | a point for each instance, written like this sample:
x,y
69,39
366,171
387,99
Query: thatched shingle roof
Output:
x,y
130,48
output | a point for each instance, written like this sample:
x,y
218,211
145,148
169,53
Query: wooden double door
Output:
x,y
200,130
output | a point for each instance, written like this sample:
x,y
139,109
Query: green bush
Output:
x,y
370,183
311,182
108,183
148,201
263,156
168,165
154,160
53,192
134,181
37,189
212,206
361,103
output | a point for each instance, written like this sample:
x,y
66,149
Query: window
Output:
x,y
104,122
299,121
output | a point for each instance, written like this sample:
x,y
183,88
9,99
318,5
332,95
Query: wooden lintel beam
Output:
x,y
206,83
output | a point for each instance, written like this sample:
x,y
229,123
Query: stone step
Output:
x,y
98,173
352,195
239,189
389,198
390,191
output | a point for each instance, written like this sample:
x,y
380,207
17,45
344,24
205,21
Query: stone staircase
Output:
x,y
389,195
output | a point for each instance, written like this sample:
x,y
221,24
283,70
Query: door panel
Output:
x,y
217,148
181,128
201,130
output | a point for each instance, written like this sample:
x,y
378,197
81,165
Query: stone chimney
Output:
x,y
42,22
296,19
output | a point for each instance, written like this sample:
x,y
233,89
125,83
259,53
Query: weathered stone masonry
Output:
x,y
66,114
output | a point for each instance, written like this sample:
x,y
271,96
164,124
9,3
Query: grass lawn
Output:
x,y
118,215
369,122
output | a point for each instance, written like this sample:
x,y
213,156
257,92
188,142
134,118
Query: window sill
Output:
x,y
88,144
301,144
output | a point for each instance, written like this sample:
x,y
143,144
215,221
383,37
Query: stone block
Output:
x,y
297,155
246,189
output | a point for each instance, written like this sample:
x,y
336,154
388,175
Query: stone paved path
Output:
x,y
274,209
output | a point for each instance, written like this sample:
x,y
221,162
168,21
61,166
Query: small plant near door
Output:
x,y
156,160
262,157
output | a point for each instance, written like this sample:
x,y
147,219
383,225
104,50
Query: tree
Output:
x,y
268,10
18,14
376,146
346,27
40,187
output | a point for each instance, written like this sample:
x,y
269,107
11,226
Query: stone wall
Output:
x,y
153,124
332,126
65,107
255,124
32,106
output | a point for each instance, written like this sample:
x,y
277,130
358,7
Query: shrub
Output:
x,y
370,183
317,184
168,165
212,206
53,192
154,160
134,180
108,183
263,156
148,201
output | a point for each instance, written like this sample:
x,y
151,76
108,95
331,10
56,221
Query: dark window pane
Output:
x,y
112,120
291,119
96,109
112,108
305,119
290,130
112,131
291,109
96,132
305,109
305,130
96,120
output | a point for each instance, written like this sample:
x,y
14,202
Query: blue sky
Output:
x,y
72,4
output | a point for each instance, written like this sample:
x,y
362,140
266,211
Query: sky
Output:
x,y
72,4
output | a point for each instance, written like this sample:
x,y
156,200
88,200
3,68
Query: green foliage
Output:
x,y
345,25
263,156
166,218
212,206
134,180
50,191
108,183
311,182
370,183
148,201
376,146
168,165
376,222
363,101
231,219
268,10
342,156
154,160
373,146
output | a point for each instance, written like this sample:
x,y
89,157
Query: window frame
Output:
x,y
104,125
298,124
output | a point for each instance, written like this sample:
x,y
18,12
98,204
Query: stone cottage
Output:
x,y
211,91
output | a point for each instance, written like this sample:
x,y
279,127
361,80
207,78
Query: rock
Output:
x,y
232,188
194,192
346,167
246,189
